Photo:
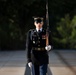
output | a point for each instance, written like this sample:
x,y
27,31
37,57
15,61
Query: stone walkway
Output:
x,y
62,62
12,62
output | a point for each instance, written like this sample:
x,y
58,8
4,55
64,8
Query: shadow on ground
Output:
x,y
28,71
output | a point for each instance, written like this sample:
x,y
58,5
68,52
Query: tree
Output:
x,y
67,33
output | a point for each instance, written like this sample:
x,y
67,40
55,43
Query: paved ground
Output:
x,y
62,62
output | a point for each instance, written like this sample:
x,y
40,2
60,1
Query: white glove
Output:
x,y
48,47
30,64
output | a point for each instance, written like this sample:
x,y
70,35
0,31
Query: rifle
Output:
x,y
47,22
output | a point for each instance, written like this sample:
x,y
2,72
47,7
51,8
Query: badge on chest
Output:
x,y
34,39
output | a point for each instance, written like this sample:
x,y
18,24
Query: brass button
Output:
x,y
38,37
38,45
38,41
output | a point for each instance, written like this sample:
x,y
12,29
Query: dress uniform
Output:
x,y
36,53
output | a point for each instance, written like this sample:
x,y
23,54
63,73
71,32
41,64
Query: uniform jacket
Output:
x,y
36,40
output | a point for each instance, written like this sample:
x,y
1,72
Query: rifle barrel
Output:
x,y
47,22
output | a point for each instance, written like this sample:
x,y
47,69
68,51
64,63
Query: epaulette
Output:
x,y
31,29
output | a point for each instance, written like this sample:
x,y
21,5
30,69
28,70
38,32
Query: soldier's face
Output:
x,y
38,25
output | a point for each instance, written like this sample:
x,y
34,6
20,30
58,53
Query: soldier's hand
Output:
x,y
48,47
30,64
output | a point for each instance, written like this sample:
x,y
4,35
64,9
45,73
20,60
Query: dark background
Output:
x,y
16,19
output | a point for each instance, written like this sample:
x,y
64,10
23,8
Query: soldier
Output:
x,y
37,51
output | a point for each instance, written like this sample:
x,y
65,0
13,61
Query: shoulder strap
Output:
x,y
30,33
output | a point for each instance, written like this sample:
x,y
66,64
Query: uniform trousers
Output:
x,y
39,69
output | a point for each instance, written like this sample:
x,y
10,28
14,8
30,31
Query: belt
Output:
x,y
39,49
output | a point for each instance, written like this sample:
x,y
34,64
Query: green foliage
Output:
x,y
67,32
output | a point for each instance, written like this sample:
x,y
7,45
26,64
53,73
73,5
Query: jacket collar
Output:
x,y
38,30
